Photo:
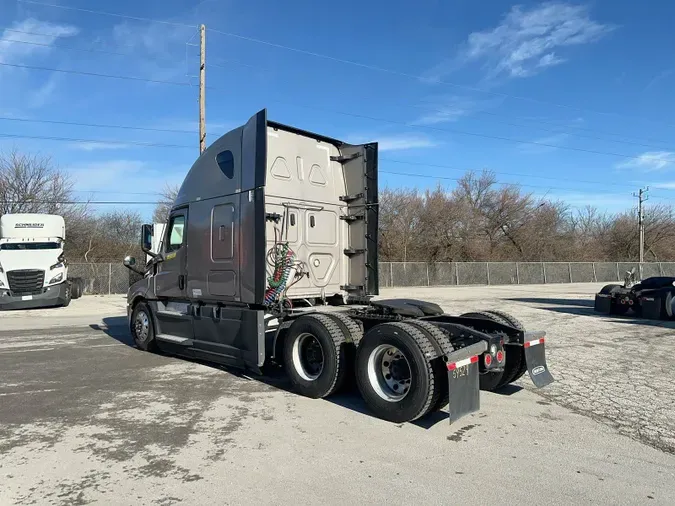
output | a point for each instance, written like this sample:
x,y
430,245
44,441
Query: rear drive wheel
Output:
x,y
76,286
515,364
440,365
314,355
609,289
142,328
394,371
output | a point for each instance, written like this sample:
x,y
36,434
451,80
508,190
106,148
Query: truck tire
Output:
x,y
394,371
142,328
69,296
515,365
315,356
76,286
440,367
491,381
352,329
608,289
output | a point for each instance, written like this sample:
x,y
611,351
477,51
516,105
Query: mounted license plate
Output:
x,y
26,297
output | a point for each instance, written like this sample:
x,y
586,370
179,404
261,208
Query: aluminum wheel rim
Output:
x,y
142,326
308,357
389,373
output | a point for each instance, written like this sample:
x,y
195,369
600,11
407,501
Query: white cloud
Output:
x,y
39,35
544,144
668,185
121,175
610,202
452,108
98,146
156,46
396,142
527,40
448,109
44,93
650,161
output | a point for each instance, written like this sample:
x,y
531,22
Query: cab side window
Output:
x,y
176,228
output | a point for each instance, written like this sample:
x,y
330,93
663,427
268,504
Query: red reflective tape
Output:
x,y
462,363
534,343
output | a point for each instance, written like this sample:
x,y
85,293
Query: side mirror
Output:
x,y
146,239
129,261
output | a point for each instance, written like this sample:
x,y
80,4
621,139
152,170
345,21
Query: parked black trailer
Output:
x,y
270,254
651,298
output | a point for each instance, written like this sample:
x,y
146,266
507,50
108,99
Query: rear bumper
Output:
x,y
52,296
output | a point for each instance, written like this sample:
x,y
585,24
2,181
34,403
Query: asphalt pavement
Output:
x,y
87,418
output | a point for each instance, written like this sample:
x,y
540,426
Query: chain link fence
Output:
x,y
101,279
401,274
114,278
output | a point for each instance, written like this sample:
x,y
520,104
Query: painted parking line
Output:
x,y
26,351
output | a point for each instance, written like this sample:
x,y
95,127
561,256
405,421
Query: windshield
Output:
x,y
19,246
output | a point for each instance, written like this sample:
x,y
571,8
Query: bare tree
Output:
x,y
163,208
32,184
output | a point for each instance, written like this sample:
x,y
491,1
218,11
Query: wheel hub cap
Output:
x,y
389,373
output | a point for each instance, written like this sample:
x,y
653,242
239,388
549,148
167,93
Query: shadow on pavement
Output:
x,y
559,302
116,327
274,376
508,390
586,308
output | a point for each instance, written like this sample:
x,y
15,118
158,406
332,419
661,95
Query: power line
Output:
x,y
348,62
94,141
489,113
471,134
52,46
446,178
82,202
385,159
91,11
354,115
116,193
421,78
96,125
516,174
94,74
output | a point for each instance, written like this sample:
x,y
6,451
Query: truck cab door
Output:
x,y
170,279
173,315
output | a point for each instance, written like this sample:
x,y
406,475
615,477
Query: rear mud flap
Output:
x,y
463,384
651,308
603,303
535,357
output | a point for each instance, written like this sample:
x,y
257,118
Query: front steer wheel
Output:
x,y
142,328
395,372
315,355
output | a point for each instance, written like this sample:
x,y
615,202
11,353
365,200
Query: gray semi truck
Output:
x,y
270,253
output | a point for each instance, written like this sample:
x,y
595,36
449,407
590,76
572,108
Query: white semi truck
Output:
x,y
33,269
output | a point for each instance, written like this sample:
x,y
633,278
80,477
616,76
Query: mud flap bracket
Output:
x,y
535,357
463,384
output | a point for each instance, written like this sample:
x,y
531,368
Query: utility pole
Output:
x,y
202,89
642,198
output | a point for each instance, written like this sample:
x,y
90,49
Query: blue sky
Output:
x,y
585,86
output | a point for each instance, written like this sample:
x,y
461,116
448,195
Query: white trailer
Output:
x,y
33,269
